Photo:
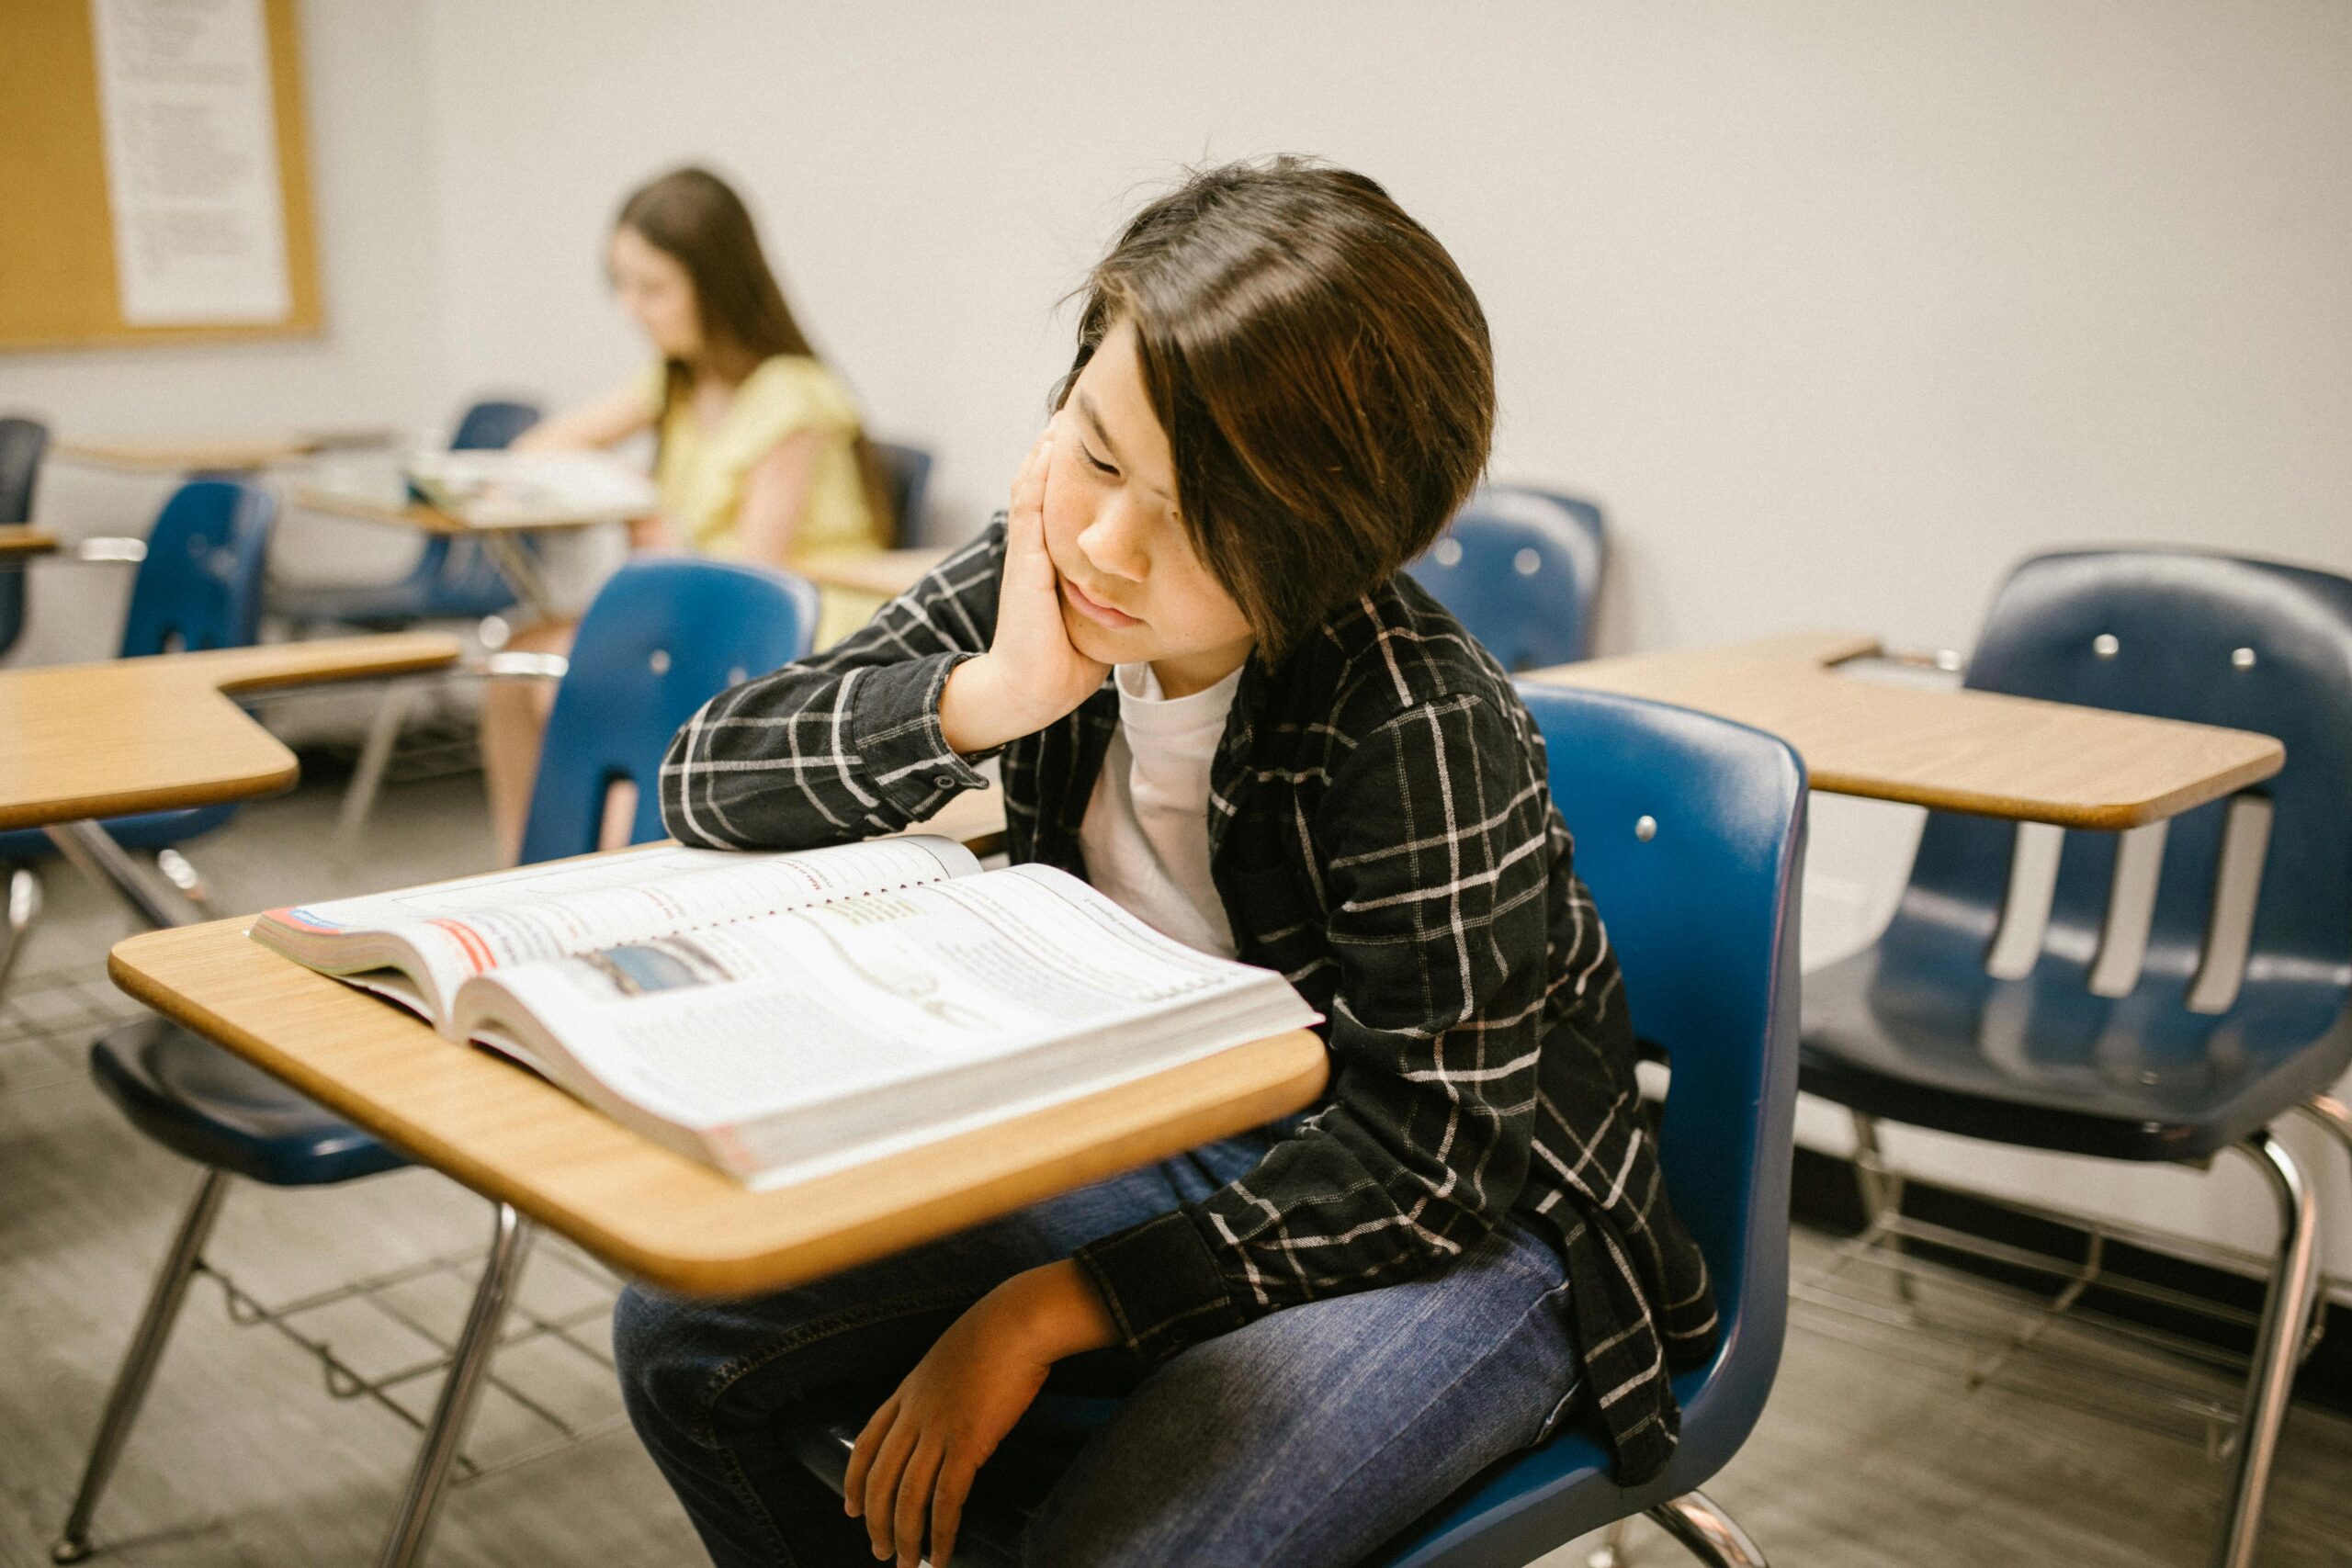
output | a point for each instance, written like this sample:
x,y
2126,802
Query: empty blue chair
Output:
x,y
453,580
199,587
664,635
1690,830
906,477
22,443
1520,568
2231,1017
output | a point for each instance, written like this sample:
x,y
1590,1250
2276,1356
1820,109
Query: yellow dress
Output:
x,y
701,471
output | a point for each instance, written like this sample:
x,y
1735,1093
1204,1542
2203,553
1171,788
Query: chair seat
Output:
x,y
390,606
147,830
197,1100
1913,1030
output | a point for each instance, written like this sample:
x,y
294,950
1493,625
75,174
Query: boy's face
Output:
x,y
1131,589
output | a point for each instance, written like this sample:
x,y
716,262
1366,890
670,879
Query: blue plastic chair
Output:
x,y
906,474
1520,568
199,587
22,443
453,580
1690,830
2216,1035
663,636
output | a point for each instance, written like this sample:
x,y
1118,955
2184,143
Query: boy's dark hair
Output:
x,y
1321,369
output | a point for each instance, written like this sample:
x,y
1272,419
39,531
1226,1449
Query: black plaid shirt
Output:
x,y
1381,831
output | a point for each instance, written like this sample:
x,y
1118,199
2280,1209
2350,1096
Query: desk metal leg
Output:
x,y
139,1363
1711,1535
2294,1279
521,569
413,1527
98,857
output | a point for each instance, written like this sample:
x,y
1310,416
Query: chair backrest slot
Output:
x,y
2237,887
2131,910
2025,912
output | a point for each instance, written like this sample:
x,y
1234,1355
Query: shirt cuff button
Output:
x,y
943,781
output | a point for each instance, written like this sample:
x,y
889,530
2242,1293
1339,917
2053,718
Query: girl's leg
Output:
x,y
705,1381
514,717
1312,1435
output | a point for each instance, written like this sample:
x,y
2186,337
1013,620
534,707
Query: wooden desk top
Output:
x,y
415,514
650,1213
884,574
1954,751
223,454
157,734
17,541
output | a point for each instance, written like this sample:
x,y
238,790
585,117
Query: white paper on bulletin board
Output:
x,y
191,154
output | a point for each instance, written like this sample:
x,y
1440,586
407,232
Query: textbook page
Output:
x,y
934,986
454,930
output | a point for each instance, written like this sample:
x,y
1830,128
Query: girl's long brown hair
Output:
x,y
695,218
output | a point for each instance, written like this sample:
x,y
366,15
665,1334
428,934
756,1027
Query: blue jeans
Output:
x,y
1307,1437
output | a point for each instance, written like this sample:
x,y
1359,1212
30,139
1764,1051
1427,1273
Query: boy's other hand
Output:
x,y
1032,674
914,1463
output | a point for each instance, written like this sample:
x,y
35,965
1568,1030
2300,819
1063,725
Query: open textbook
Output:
x,y
778,1015
521,490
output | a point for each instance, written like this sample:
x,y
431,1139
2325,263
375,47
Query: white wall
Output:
x,y
1839,307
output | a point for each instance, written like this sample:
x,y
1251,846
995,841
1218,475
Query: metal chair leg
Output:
x,y
2336,1117
1881,1192
1710,1534
19,908
2294,1280
413,1526
139,1364
375,756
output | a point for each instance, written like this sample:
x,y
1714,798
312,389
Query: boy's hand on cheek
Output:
x,y
1031,673
914,1463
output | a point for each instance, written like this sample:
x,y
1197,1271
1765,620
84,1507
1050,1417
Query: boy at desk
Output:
x,y
1215,697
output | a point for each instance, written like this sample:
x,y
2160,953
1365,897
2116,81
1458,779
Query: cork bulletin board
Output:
x,y
155,178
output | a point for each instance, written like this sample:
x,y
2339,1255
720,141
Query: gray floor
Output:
x,y
1873,1452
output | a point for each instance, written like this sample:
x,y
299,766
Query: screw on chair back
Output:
x,y
906,476
200,585
663,636
2229,986
22,443
1520,568
1690,831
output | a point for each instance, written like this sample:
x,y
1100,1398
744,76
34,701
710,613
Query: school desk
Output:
x,y
1953,751
85,742
222,453
651,1213
514,563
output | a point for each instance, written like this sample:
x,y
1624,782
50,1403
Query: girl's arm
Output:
x,y
607,422
775,492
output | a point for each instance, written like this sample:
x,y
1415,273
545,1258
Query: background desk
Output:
x,y
1951,750
155,733
505,545
884,574
652,1214
209,453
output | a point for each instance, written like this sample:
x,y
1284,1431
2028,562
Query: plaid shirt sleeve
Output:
x,y
846,744
1429,847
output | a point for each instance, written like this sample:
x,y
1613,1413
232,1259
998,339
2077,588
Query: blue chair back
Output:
x,y
200,585
2209,638
1520,568
1690,831
22,442
465,578
906,476
666,635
